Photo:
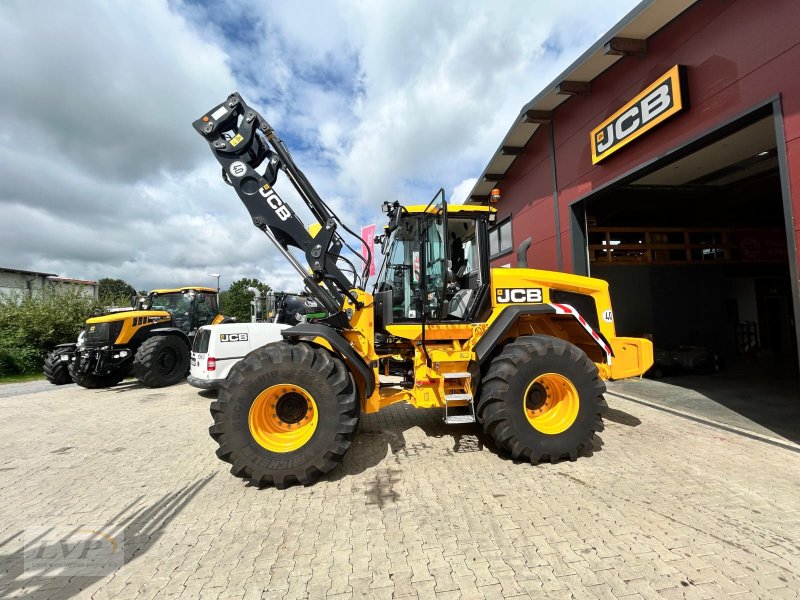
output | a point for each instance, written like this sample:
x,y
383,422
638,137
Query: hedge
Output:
x,y
31,326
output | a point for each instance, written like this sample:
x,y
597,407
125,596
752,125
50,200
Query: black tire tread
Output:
x,y
144,367
493,404
304,358
55,370
96,382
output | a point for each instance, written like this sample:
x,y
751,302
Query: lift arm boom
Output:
x,y
238,137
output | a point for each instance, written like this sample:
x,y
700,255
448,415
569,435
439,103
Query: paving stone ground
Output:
x,y
663,508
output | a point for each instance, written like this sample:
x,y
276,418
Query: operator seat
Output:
x,y
459,303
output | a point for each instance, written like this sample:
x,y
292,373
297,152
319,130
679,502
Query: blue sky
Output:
x,y
376,100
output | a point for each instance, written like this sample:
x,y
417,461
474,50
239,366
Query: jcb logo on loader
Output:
x,y
233,337
518,295
275,203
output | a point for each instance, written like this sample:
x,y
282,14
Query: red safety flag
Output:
x,y
368,235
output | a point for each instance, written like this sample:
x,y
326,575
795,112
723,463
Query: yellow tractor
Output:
x,y
151,340
521,351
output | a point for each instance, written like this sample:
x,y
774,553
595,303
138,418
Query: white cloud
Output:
x,y
461,191
442,83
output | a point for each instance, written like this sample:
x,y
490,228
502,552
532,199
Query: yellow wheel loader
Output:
x,y
521,351
151,341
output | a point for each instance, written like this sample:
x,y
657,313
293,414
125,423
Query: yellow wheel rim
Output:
x,y
283,418
551,403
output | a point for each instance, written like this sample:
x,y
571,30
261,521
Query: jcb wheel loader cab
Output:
x,y
287,414
153,343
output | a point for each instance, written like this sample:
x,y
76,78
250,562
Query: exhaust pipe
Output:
x,y
522,253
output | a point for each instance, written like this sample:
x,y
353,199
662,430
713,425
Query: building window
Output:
x,y
500,241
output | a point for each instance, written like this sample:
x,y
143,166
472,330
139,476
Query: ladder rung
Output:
x,y
456,375
457,419
457,397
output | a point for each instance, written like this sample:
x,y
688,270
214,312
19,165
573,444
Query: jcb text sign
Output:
x,y
662,99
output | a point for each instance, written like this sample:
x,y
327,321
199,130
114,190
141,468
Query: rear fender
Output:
x,y
170,331
561,321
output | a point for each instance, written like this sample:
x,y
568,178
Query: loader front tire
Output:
x,y
161,360
56,371
286,414
542,399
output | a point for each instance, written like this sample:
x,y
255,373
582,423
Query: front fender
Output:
x,y
339,345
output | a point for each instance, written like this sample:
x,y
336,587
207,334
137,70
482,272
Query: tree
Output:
x,y
235,302
111,291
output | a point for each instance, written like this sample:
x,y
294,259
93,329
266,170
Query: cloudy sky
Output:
x,y
102,175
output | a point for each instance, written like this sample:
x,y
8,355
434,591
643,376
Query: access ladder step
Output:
x,y
456,375
458,397
458,419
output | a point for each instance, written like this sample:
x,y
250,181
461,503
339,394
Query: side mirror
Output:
x,y
381,239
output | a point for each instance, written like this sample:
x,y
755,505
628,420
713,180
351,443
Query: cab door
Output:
x,y
433,259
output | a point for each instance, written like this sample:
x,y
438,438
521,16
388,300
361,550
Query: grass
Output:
x,y
20,378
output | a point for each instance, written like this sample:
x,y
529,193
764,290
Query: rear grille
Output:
x,y
581,302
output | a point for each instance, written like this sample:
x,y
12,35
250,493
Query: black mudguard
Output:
x,y
338,343
497,330
170,331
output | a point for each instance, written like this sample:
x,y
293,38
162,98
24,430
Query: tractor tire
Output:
x,y
161,360
56,371
542,399
94,382
286,414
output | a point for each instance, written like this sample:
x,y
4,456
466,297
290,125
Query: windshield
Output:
x,y
405,276
182,305
172,302
400,272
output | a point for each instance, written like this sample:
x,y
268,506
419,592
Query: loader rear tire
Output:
x,y
542,399
286,414
94,382
161,360
56,371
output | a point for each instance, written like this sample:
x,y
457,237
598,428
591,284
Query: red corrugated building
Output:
x,y
666,160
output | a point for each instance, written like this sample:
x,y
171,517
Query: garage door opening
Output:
x,y
696,255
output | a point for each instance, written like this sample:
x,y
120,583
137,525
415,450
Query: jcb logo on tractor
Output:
x,y
518,295
275,203
233,337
